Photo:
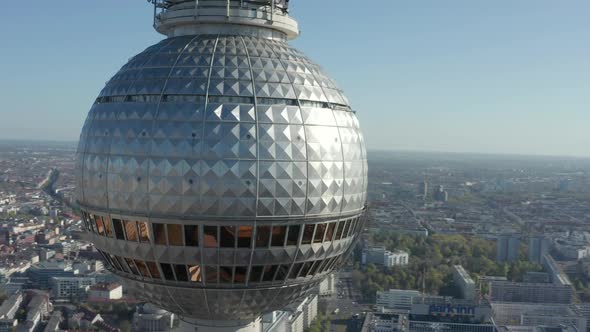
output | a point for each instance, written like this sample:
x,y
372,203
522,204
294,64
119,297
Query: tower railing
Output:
x,y
270,14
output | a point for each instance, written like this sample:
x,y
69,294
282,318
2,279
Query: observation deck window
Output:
x,y
228,236
330,231
132,266
293,235
210,236
305,269
226,274
131,230
124,267
295,270
153,270
115,262
144,232
167,271
278,236
269,272
307,234
191,235
245,236
282,272
143,270
211,274
346,228
256,273
353,225
175,235
262,236
181,274
340,229
319,233
315,267
92,223
159,234
240,274
108,226
99,225
194,272
119,233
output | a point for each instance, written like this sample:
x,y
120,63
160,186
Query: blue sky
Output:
x,y
460,75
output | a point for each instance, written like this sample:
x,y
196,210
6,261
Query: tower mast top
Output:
x,y
261,18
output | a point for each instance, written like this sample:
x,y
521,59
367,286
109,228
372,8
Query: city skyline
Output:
x,y
222,182
462,78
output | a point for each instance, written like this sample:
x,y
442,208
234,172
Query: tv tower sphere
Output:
x,y
221,173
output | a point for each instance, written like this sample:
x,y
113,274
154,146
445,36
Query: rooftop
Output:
x,y
105,286
464,274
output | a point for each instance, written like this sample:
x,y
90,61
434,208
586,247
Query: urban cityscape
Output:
x,y
504,248
222,182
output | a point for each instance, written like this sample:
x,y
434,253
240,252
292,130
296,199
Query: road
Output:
x,y
346,300
47,186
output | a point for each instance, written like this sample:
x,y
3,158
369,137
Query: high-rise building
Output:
x,y
538,247
440,194
328,286
423,189
508,248
220,171
464,282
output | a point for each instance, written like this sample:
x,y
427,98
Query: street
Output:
x,y
343,307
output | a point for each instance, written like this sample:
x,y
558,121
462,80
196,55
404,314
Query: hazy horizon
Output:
x,y
431,77
74,143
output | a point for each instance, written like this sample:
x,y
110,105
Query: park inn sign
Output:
x,y
450,310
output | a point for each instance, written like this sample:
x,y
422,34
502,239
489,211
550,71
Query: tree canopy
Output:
x,y
431,262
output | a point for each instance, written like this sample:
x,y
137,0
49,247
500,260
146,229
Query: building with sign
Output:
x,y
448,309
400,299
395,321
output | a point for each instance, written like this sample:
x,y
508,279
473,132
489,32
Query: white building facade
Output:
x,y
400,299
384,257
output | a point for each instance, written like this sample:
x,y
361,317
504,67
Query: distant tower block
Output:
x,y
538,247
221,173
423,189
508,248
440,194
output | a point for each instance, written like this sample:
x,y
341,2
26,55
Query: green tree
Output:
x,y
431,261
126,326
